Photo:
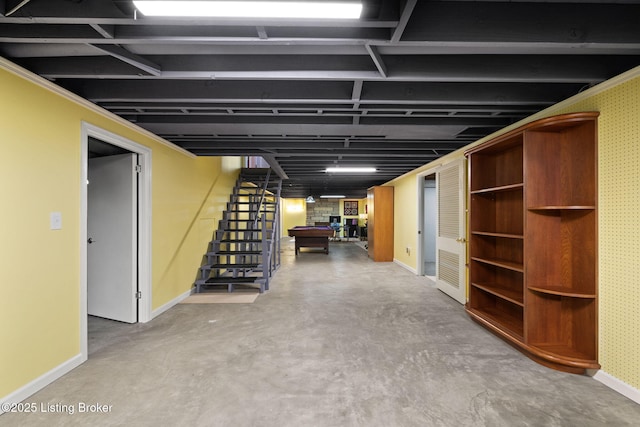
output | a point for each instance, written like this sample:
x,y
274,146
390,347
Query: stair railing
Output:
x,y
261,201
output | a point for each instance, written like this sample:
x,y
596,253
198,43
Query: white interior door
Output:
x,y
450,241
112,273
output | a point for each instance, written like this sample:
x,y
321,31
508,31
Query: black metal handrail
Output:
x,y
262,196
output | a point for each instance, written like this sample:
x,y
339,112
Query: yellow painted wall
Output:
x,y
619,204
294,212
405,221
40,169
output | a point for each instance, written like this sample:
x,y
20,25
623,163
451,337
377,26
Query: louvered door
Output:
x,y
450,241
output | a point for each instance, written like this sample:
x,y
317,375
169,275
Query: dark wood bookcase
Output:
x,y
532,239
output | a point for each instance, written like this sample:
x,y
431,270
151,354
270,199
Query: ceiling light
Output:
x,y
310,199
332,196
250,9
350,170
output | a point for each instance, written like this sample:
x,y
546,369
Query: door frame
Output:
x,y
144,223
420,197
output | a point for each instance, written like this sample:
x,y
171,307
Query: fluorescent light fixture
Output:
x,y
250,9
310,199
350,170
332,196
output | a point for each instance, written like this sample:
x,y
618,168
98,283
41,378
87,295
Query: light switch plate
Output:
x,y
55,219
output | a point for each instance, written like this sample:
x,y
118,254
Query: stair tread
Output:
x,y
238,230
229,280
252,241
245,220
242,202
248,230
230,266
238,252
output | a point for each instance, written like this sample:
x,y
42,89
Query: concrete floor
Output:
x,y
338,341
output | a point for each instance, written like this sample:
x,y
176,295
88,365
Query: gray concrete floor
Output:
x,y
338,341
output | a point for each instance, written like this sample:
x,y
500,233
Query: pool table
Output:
x,y
312,236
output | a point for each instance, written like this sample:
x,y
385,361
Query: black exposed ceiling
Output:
x,y
407,83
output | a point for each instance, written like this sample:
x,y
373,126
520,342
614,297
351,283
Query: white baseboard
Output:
x,y
41,382
158,311
618,385
44,380
405,266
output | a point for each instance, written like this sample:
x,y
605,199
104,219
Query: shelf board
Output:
x,y
507,294
510,187
509,265
499,322
563,208
505,235
563,292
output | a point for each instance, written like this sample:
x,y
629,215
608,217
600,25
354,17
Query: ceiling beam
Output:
x,y
186,119
355,146
404,19
107,31
357,70
296,91
356,93
345,152
16,8
275,166
377,60
131,59
262,32
203,22
370,107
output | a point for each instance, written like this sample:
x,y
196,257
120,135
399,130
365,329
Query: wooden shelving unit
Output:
x,y
533,220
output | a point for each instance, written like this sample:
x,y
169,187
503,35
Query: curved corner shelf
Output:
x,y
562,208
562,357
561,292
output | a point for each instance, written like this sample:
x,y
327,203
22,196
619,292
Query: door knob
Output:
x,y
90,240
461,240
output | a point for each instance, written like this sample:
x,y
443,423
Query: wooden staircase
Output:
x,y
245,249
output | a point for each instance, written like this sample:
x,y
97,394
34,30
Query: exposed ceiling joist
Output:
x,y
404,20
377,60
106,31
406,84
131,59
